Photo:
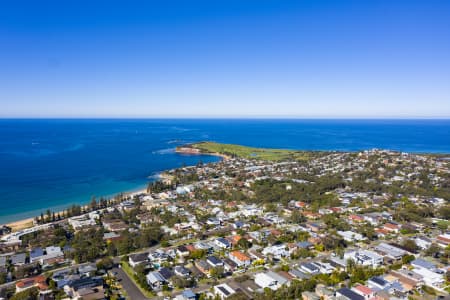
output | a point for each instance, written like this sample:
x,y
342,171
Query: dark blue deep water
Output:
x,y
54,163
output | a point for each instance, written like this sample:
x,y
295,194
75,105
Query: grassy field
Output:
x,y
253,153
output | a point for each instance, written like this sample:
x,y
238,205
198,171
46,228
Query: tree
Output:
x,y
433,250
410,245
182,283
244,244
93,204
407,259
297,217
216,272
106,263
28,294
197,254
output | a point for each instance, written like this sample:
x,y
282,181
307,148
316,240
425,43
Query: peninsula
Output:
x,y
239,151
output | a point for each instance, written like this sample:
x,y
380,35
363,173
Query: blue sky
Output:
x,y
244,58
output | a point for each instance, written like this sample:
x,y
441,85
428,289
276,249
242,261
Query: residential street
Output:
x,y
129,286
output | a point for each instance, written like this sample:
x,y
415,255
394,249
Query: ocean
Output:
x,y
53,163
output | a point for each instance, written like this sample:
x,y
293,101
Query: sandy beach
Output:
x,y
21,224
28,222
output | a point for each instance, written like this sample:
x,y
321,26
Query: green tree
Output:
x,y
28,294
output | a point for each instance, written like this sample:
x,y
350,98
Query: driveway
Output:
x,y
128,285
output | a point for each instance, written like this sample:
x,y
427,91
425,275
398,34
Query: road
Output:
x,y
128,285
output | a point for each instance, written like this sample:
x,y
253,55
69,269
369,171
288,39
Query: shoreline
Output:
x,y
28,222
217,154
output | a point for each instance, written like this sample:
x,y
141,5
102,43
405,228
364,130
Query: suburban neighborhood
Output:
x,y
339,225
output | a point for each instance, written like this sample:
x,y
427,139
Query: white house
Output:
x,y
155,280
222,243
223,290
351,236
266,281
364,257
277,251
423,242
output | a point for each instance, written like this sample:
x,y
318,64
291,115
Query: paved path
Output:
x,y
129,286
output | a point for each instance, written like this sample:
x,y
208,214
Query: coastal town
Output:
x,y
361,225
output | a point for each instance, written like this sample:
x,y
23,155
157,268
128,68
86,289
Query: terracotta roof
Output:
x,y
234,239
31,281
239,255
363,289
391,226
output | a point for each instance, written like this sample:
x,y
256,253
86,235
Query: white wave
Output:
x,y
164,151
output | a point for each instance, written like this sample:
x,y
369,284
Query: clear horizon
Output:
x,y
228,59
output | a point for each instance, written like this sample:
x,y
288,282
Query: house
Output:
x,y
423,242
80,222
238,225
324,268
347,293
158,256
182,271
241,259
223,290
137,259
351,236
203,267
266,281
420,263
407,278
2,264
214,262
183,251
37,281
270,280
222,243
310,296
297,273
111,236
155,280
373,218
355,219
305,245
443,240
115,225
87,270
277,251
390,251
63,277
309,268
186,295
53,254
364,257
18,259
313,227
229,265
431,277
36,254
324,292
88,288
364,291
204,246
166,273
234,239
391,227
378,283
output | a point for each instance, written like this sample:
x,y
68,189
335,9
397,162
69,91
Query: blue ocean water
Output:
x,y
54,163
